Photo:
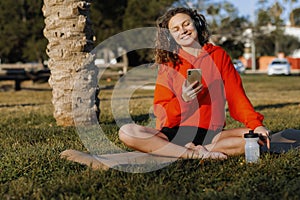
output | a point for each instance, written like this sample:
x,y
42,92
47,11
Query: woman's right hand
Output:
x,y
190,91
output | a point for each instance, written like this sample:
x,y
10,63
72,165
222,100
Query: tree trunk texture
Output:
x,y
73,75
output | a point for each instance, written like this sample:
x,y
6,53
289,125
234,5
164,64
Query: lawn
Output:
x,y
30,166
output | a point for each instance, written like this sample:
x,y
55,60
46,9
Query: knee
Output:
x,y
126,134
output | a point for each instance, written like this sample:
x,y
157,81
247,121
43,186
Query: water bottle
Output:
x,y
251,147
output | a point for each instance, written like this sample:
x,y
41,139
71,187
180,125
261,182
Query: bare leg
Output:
x,y
149,140
230,142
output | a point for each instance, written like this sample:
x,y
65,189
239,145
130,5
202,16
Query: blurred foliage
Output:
x,y
21,27
107,17
266,43
274,40
295,17
140,14
22,24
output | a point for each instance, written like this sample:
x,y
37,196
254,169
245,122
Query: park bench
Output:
x,y
20,72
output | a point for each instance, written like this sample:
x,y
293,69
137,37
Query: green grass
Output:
x,y
30,167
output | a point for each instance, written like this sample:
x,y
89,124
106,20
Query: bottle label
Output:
x,y
252,154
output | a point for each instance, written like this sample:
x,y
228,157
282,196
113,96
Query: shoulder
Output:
x,y
220,57
214,49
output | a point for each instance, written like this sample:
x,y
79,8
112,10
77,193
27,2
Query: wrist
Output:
x,y
184,98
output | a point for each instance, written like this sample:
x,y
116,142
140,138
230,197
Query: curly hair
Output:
x,y
166,49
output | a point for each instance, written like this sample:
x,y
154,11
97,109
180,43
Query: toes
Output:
x,y
217,155
205,154
190,145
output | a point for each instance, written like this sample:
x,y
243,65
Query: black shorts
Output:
x,y
185,134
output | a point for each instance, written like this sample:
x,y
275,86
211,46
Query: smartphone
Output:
x,y
194,75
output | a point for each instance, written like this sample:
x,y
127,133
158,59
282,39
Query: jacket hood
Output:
x,y
209,48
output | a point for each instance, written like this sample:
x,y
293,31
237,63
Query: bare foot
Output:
x,y
203,153
83,158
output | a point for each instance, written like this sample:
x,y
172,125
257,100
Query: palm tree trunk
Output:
x,y
73,76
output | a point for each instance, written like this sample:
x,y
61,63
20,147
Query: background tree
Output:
x,y
13,31
21,22
199,5
21,27
35,41
275,13
295,17
270,38
231,27
262,14
214,12
107,18
140,14
291,2
231,30
224,23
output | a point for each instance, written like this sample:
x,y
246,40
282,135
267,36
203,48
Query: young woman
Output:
x,y
190,117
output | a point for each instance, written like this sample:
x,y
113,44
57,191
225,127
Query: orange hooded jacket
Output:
x,y
221,83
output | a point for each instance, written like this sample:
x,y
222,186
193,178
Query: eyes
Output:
x,y
185,24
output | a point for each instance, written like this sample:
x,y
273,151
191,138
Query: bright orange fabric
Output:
x,y
221,83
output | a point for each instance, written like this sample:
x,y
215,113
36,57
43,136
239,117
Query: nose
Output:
x,y
183,30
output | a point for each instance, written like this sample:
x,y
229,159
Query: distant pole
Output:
x,y
253,56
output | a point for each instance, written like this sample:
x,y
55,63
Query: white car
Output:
x,y
239,66
279,66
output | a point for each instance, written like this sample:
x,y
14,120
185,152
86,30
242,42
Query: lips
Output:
x,y
186,36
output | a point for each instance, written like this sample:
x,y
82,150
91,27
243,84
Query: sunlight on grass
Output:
x,y
30,167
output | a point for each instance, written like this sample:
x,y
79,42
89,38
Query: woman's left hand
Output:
x,y
264,134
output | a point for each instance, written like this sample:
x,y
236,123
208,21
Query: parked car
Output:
x,y
239,66
279,66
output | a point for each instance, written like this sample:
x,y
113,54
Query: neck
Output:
x,y
195,51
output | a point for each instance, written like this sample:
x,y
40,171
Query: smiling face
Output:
x,y
183,31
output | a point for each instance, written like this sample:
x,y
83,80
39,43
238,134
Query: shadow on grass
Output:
x,y
21,104
278,105
139,119
36,89
131,98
